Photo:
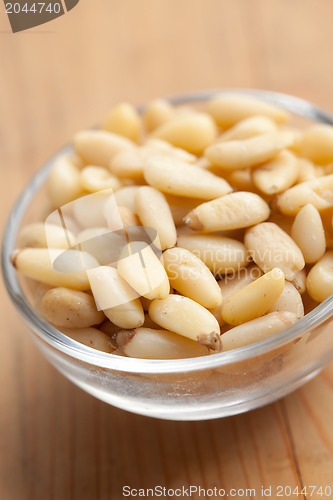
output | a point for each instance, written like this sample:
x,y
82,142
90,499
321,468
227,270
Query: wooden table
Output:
x,y
56,442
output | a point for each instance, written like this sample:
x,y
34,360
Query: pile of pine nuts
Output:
x,y
239,201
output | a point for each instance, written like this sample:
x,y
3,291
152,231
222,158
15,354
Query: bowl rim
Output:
x,y
99,359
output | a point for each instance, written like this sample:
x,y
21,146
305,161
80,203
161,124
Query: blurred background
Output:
x,y
55,441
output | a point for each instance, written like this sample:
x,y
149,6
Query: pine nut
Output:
x,y
193,132
40,264
141,269
76,160
64,307
317,143
308,233
154,211
233,211
90,337
271,247
89,210
164,147
63,184
98,147
115,298
249,127
129,163
125,197
248,152
128,218
298,135
62,217
95,179
119,217
319,282
240,179
278,174
103,244
229,109
124,120
220,254
148,343
318,192
306,170
180,178
157,112
256,330
191,277
254,299
232,283
188,318
41,235
290,300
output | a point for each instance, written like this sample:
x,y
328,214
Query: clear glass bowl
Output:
x,y
192,389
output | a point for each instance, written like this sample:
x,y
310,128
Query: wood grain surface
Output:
x,y
56,442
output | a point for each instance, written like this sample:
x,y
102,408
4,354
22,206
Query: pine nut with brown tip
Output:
x,y
188,318
232,211
148,343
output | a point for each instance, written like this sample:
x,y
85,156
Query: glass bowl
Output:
x,y
191,389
